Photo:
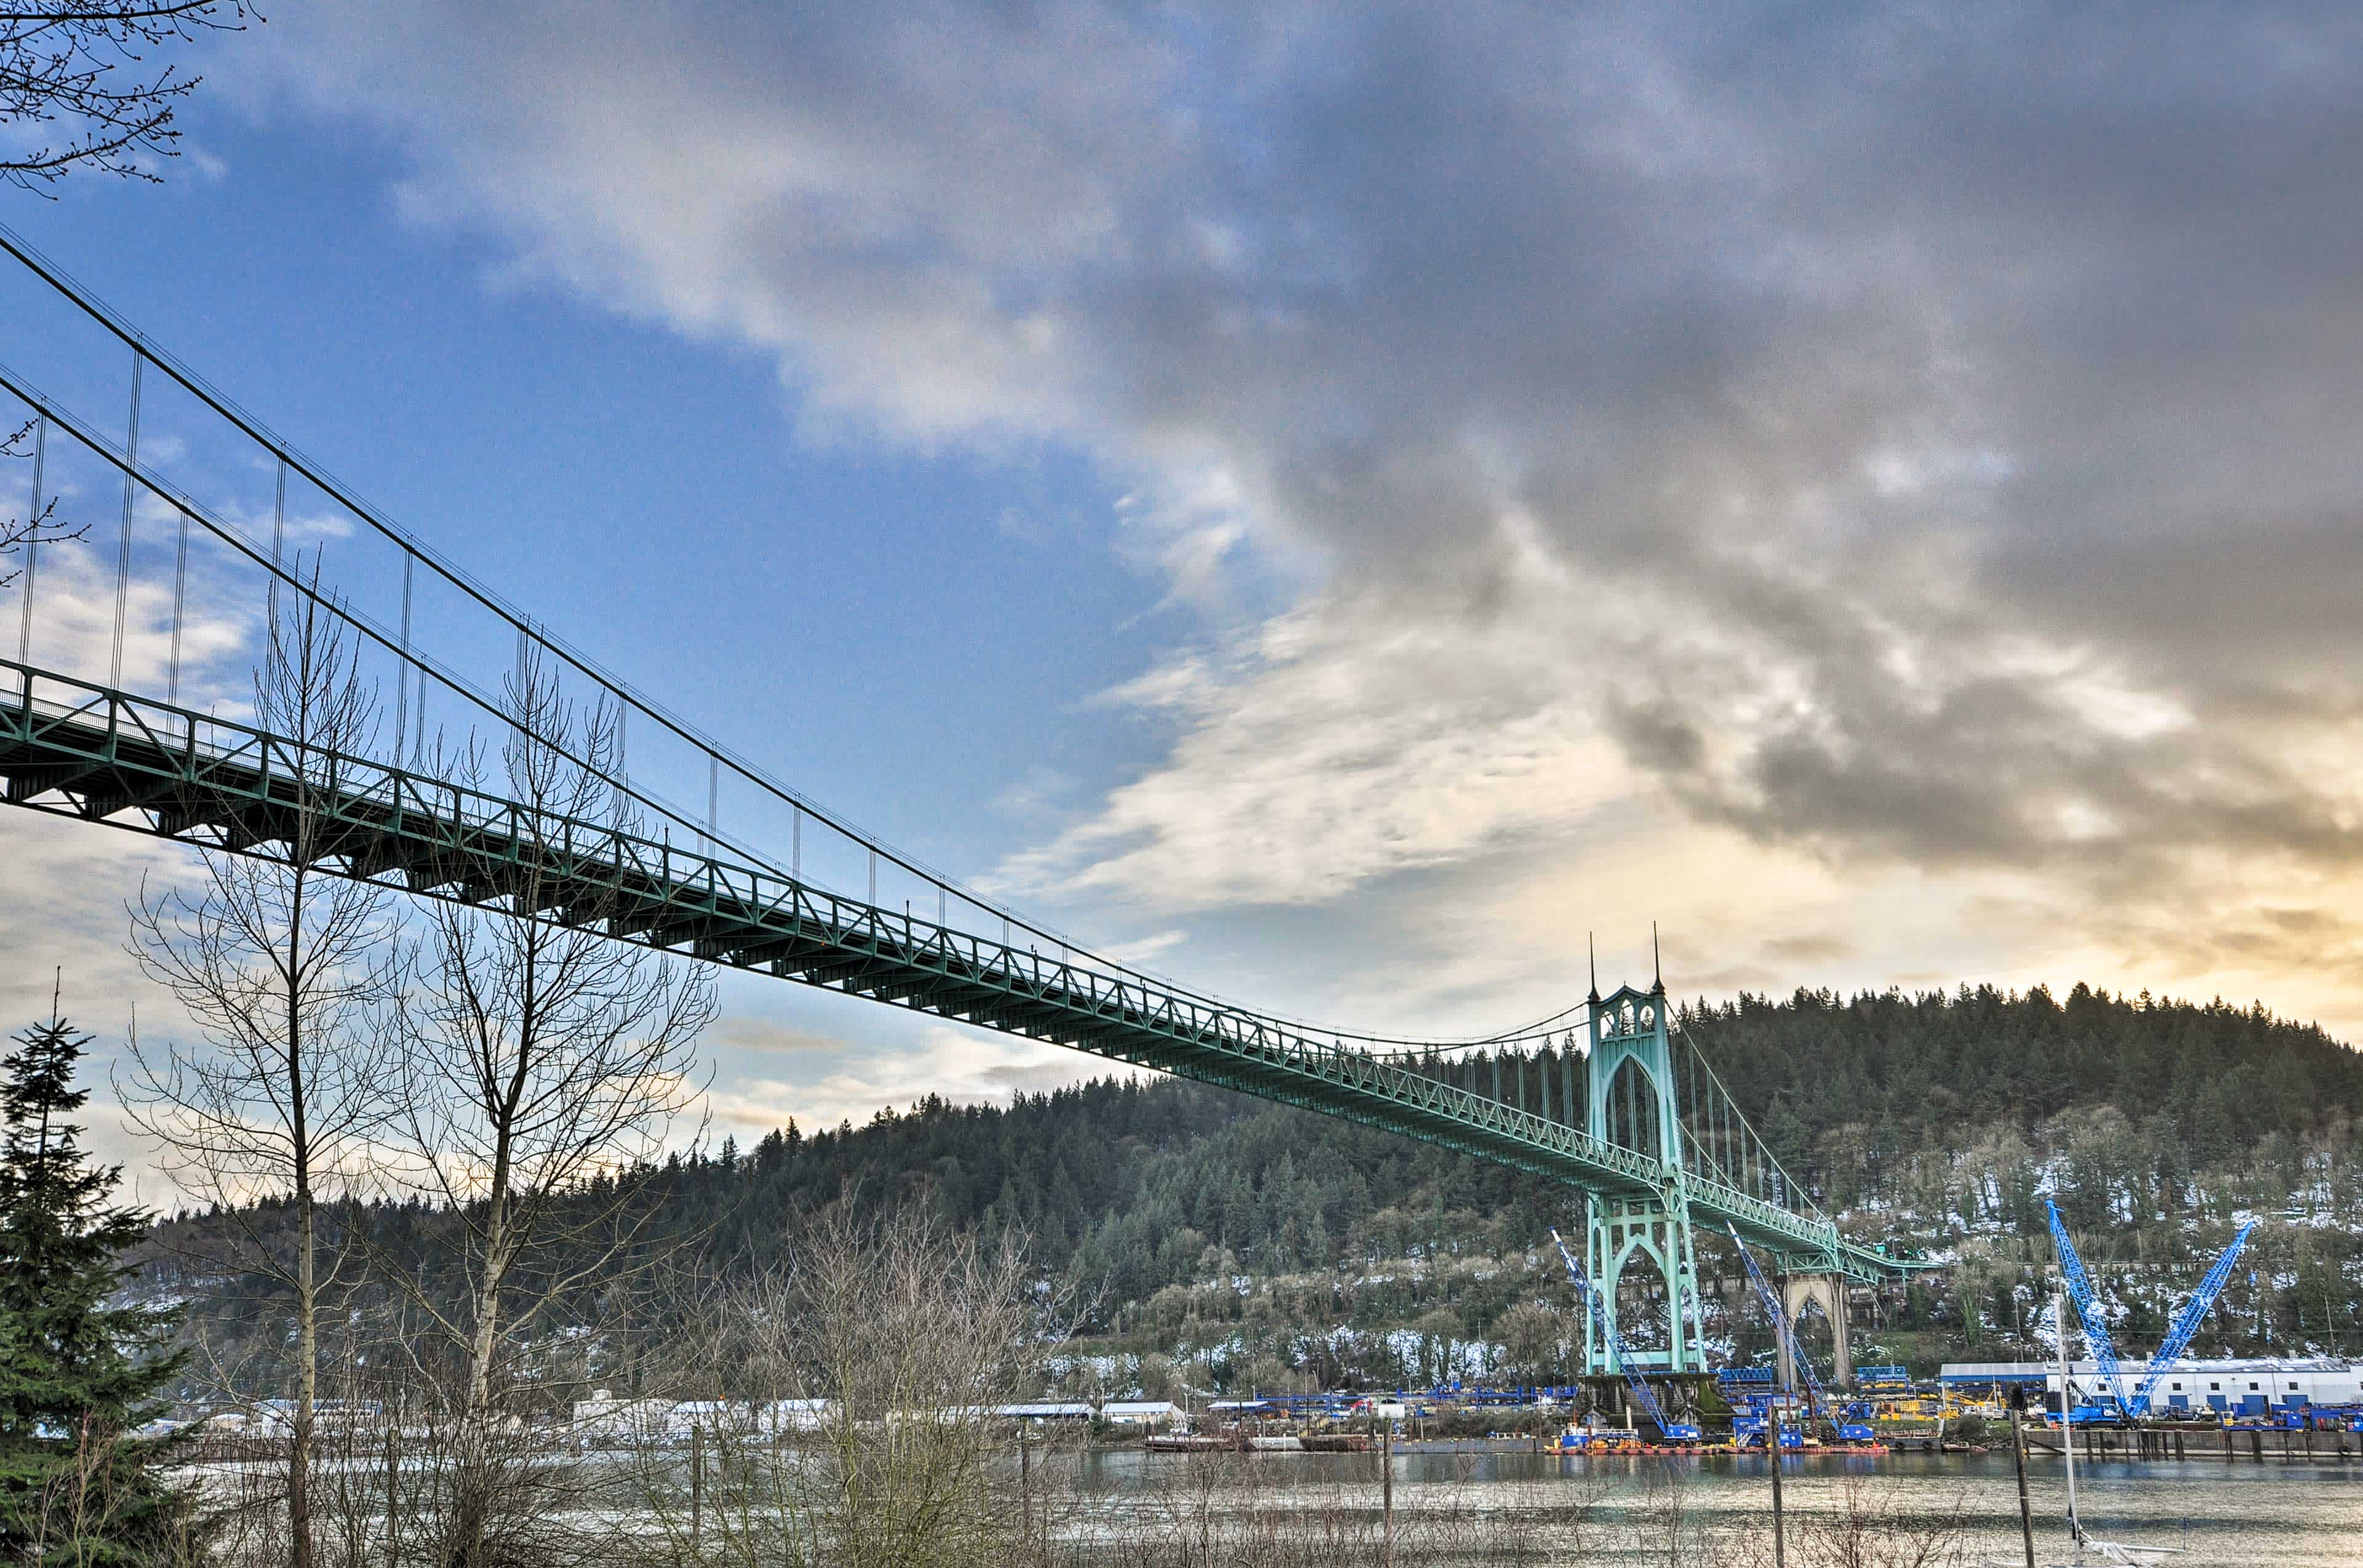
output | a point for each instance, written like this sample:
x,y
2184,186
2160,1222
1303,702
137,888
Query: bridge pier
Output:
x,y
1622,1235
1829,1293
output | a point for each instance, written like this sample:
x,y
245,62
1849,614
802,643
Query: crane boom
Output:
x,y
1643,1394
2186,1322
2088,1309
1816,1398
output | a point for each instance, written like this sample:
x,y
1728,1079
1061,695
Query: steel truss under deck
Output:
x,y
76,748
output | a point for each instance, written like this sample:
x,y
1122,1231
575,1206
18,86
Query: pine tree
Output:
x,y
76,1376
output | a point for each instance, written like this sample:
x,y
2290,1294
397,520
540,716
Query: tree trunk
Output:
x,y
472,1495
307,1386
307,1303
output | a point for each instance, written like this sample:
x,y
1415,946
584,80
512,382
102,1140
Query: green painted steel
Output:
x,y
1631,1100
71,747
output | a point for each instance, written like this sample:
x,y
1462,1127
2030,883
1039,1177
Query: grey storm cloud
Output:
x,y
1911,432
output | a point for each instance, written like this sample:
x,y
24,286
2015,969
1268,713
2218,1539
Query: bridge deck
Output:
x,y
74,747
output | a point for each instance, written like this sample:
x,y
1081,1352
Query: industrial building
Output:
x,y
2256,1386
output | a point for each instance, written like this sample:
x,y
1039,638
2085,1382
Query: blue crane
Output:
x,y
2186,1322
1671,1430
2096,1327
1817,1398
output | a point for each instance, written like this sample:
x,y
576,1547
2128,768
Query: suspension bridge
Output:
x,y
128,702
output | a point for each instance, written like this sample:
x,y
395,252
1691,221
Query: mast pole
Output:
x,y
2067,1403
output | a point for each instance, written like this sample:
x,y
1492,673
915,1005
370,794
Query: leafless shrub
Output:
x,y
1868,1530
844,1409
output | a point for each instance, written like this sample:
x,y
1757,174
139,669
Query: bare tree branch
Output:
x,y
59,62
40,526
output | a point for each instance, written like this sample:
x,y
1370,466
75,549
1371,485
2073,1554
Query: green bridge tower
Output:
x,y
1630,1103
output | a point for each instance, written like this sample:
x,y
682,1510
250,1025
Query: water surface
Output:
x,y
2305,1513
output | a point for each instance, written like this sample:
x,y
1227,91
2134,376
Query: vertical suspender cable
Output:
x,y
623,780
713,802
179,598
123,543
1688,1078
873,875
278,546
32,552
1722,1136
796,842
402,671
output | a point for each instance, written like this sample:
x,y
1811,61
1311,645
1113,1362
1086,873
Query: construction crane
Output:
x,y
2186,1322
1817,1398
1673,1431
2096,1327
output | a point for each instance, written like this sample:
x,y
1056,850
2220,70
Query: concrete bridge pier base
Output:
x,y
1829,1293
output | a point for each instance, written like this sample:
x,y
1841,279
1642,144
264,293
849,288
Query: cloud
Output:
x,y
1892,447
739,1032
955,1064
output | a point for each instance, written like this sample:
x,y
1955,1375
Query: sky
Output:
x,y
1343,503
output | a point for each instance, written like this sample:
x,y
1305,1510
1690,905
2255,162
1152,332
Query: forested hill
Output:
x,y
1916,1071
1134,1180
1940,1120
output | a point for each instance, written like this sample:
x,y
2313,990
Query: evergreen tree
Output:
x,y
76,1376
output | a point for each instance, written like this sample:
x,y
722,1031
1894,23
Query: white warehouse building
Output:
x,y
2254,1387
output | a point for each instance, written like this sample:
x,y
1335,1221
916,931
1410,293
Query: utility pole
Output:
x,y
1772,1458
1387,1494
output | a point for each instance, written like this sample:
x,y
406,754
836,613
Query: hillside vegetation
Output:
x,y
1221,1240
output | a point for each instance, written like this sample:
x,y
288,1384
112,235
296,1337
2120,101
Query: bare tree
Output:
x,y
281,962
59,62
536,1056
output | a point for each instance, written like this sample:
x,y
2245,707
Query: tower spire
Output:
x,y
1593,948
1657,965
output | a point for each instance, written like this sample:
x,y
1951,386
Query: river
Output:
x,y
1542,1508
